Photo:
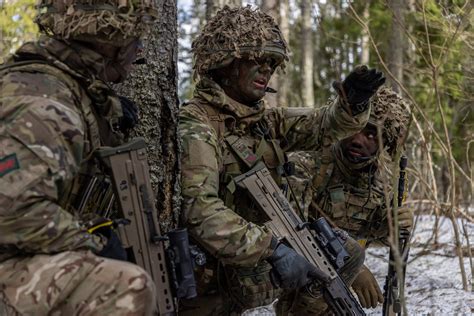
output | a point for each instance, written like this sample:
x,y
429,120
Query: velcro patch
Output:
x,y
8,164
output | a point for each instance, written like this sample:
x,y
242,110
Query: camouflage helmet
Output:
x,y
234,33
105,21
390,113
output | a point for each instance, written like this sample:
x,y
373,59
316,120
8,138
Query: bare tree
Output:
x,y
271,7
307,88
212,6
153,87
283,82
397,42
365,44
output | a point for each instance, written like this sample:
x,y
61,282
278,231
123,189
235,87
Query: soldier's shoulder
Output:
x,y
38,81
39,101
195,108
196,121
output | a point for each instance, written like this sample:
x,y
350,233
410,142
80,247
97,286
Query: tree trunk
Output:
x,y
271,7
364,60
210,9
307,93
154,89
396,42
283,79
212,6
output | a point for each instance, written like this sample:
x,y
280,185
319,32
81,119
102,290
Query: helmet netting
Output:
x,y
390,112
109,21
234,32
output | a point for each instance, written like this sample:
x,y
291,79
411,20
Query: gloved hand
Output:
x,y
130,114
113,248
291,270
367,289
405,218
361,84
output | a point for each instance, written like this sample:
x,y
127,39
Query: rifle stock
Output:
x,y
141,235
287,226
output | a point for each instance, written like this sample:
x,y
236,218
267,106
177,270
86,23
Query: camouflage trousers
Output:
x,y
247,288
74,283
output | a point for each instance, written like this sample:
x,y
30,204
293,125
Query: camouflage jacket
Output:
x,y
221,139
352,199
54,112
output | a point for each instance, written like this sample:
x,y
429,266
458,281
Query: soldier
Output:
x,y
225,129
57,108
344,182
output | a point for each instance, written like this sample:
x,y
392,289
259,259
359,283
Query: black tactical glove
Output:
x,y
291,270
130,115
361,84
113,248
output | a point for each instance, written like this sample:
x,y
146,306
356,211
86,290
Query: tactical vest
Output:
x,y
89,193
241,146
355,205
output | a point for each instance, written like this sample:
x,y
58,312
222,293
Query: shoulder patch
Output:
x,y
8,164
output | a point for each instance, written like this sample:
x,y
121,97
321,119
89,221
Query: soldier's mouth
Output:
x,y
355,153
260,83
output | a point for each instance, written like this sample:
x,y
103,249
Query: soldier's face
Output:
x,y
249,78
361,145
129,53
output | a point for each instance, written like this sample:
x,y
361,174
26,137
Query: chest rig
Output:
x,y
89,193
243,143
354,201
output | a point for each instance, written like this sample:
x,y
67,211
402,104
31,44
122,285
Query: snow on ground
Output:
x,y
433,277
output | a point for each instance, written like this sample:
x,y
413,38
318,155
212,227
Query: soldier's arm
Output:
x,y
309,129
41,147
216,227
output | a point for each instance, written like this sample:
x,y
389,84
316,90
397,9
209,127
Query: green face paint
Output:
x,y
248,81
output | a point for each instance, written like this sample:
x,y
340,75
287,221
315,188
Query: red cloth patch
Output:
x,y
8,164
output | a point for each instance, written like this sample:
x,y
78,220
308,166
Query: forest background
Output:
x,y
424,47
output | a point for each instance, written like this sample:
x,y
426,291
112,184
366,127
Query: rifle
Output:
x,y
286,225
138,227
392,304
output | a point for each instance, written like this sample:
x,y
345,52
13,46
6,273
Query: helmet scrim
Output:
x,y
391,113
106,21
234,33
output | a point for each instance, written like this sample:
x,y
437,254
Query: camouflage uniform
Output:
x,y
351,195
223,138
56,110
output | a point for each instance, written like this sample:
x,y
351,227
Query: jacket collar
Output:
x,y
72,57
210,91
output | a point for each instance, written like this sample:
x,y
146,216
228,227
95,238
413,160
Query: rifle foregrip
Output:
x,y
182,261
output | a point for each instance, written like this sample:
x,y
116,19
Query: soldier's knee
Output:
x,y
137,292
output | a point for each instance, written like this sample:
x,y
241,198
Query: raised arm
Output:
x,y
308,129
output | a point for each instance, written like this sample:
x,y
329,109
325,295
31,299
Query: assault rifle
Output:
x,y
392,304
139,230
322,251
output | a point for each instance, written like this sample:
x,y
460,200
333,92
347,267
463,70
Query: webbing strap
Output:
x,y
241,150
